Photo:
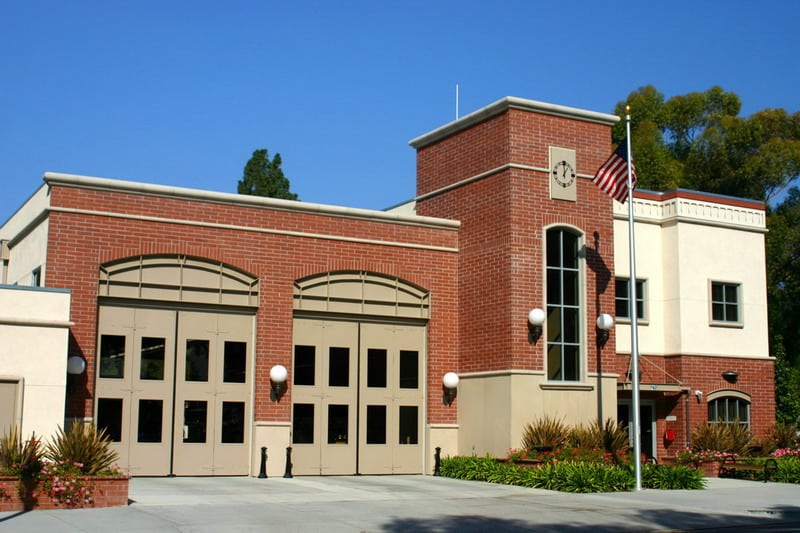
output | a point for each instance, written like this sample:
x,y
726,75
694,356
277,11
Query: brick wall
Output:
x,y
79,243
504,218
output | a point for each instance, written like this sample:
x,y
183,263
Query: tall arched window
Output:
x,y
563,306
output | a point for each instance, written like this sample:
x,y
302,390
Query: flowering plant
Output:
x,y
688,455
786,452
64,483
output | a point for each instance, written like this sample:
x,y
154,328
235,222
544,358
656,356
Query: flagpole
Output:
x,y
637,437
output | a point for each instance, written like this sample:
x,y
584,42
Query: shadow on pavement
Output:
x,y
780,519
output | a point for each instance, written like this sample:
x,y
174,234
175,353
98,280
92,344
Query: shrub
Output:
x,y
785,435
788,470
64,483
671,477
83,445
544,432
18,457
732,438
582,436
614,439
570,476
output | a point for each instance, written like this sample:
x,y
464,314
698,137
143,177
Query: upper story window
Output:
x,y
36,277
563,306
623,298
725,299
729,410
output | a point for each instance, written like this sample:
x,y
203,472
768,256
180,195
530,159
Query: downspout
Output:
x,y
686,416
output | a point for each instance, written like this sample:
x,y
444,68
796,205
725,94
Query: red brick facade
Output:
x,y
491,174
80,243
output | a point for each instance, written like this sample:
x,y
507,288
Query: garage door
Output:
x,y
173,389
357,397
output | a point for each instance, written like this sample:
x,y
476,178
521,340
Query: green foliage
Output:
x,y
569,476
785,435
788,470
671,477
83,446
545,432
732,438
698,141
19,457
264,177
614,438
64,483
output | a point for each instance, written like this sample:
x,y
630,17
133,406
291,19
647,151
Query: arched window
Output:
x,y
729,410
563,306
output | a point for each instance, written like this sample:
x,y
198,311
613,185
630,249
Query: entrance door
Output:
x,y
357,398
134,386
212,391
391,404
647,424
324,397
173,390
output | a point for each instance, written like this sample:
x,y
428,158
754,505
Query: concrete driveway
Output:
x,y
418,503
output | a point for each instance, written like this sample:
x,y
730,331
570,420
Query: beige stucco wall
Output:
x,y
34,328
681,246
27,232
493,408
276,437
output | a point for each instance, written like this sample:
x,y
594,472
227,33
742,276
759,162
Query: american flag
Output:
x,y
612,176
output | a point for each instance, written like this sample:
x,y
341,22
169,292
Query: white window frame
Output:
x,y
641,296
739,322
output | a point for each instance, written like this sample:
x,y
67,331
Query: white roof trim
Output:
x,y
511,102
73,180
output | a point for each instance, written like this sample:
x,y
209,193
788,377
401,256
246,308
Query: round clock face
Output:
x,y
563,173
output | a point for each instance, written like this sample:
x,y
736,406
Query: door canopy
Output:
x,y
178,278
361,293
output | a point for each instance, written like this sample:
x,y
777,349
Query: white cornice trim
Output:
x,y
504,104
89,182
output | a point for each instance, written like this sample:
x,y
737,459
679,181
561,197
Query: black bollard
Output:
x,y
437,462
288,472
262,473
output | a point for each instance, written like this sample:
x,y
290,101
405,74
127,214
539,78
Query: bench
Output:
x,y
729,467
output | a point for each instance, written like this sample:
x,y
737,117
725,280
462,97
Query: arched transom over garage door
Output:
x,y
358,379
174,365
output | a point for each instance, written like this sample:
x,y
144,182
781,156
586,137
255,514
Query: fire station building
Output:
x,y
187,308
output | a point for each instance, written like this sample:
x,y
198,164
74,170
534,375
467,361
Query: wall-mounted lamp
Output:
x,y
731,376
277,379
450,386
699,395
604,324
76,365
535,322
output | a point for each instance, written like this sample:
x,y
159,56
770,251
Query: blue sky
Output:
x,y
181,93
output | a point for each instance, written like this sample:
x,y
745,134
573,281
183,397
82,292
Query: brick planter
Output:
x,y
106,491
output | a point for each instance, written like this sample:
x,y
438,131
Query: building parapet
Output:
x,y
695,207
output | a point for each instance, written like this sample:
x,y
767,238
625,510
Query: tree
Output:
x,y
263,177
698,141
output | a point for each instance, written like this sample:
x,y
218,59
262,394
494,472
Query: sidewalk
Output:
x,y
418,503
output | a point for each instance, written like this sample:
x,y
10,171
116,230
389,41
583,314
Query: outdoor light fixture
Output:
x,y
76,365
450,386
604,324
277,378
730,376
535,322
699,395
